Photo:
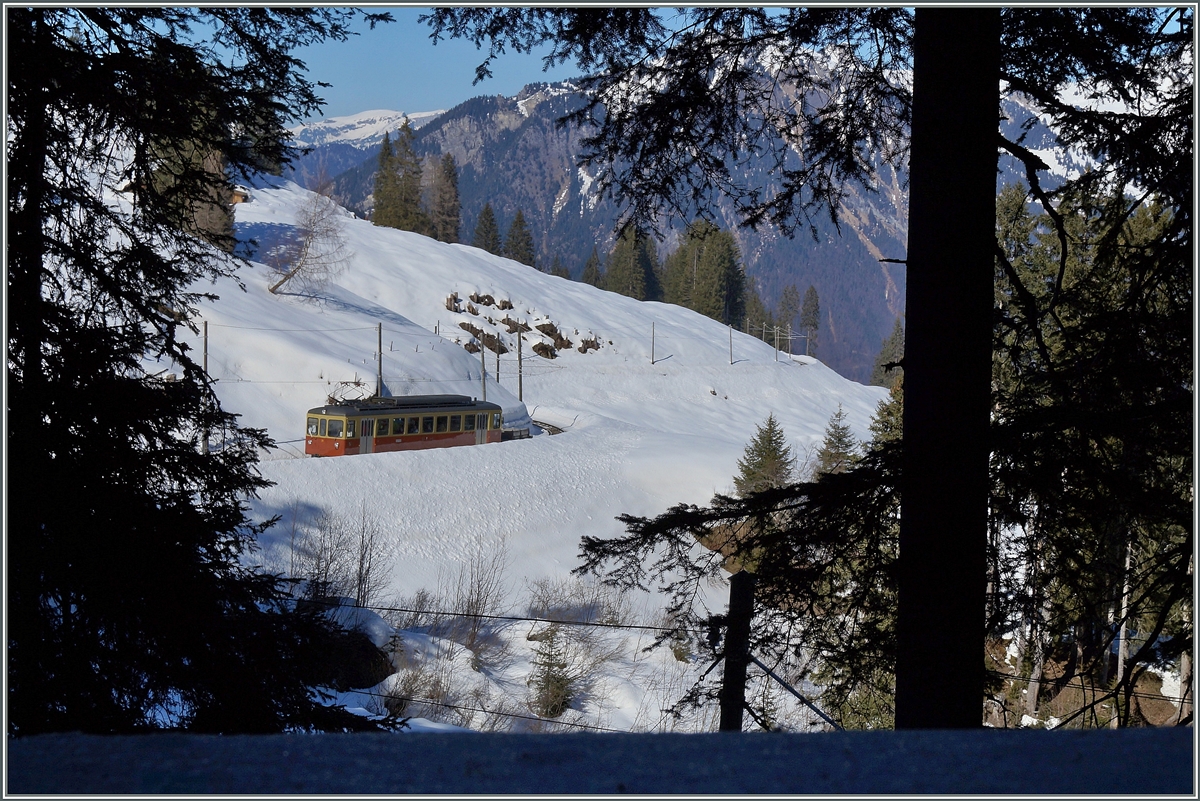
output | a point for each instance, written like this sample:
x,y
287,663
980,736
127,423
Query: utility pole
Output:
x,y
379,360
497,358
482,369
731,343
204,444
520,374
652,343
737,649
776,332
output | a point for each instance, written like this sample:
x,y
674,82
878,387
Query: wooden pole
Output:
x,y
497,358
482,369
737,650
731,343
652,343
379,360
520,374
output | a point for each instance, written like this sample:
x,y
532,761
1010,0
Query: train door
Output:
x,y
366,443
480,429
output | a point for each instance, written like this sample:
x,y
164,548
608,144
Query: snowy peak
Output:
x,y
362,130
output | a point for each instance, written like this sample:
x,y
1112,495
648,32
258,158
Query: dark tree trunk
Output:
x,y
737,650
947,368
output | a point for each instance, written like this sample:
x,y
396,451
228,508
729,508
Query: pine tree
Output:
x,y
551,680
757,321
789,307
487,233
810,319
410,214
387,189
592,273
887,370
135,605
557,268
518,242
633,267
704,274
446,216
767,462
839,449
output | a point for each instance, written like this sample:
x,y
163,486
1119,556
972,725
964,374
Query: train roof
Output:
x,y
405,403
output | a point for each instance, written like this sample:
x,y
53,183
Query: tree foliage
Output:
x,y
888,370
446,213
487,232
810,319
632,267
133,603
768,462
677,107
399,176
839,449
518,242
593,273
704,274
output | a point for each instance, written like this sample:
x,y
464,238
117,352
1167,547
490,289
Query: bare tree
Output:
x,y
318,251
372,557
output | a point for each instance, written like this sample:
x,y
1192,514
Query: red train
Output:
x,y
413,422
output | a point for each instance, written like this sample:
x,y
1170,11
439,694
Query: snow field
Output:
x,y
638,437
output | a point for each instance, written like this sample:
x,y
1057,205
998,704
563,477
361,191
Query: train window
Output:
x,y
335,428
312,426
456,422
381,427
441,423
495,419
350,427
426,425
367,429
414,424
468,422
397,426
321,433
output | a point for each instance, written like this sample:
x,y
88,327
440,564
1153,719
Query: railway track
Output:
x,y
549,429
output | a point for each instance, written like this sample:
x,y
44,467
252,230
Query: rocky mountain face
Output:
x,y
512,153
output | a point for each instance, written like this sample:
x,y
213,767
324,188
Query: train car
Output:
x,y
413,422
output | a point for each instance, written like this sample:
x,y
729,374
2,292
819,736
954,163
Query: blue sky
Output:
x,y
397,66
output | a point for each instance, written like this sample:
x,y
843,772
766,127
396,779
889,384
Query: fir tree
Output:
x,y
592,272
757,321
887,370
810,319
446,216
487,233
551,680
410,215
135,605
839,448
789,307
704,275
518,242
557,268
387,190
633,267
767,462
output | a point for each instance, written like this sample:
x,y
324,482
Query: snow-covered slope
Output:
x,y
654,416
638,436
